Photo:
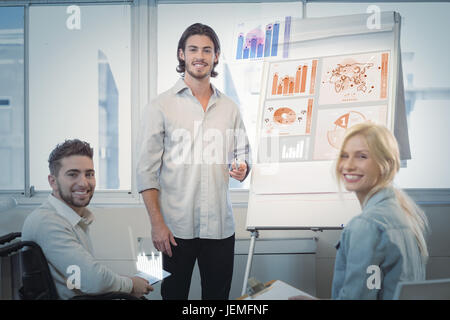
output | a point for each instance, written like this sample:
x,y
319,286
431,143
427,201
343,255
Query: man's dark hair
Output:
x,y
197,29
66,149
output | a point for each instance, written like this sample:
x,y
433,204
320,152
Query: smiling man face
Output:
x,y
74,183
199,56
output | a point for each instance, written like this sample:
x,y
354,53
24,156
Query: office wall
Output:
x,y
116,229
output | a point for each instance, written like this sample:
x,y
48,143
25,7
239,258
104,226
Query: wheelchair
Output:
x,y
25,274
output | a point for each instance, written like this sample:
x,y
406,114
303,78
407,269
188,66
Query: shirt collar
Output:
x,y
381,195
67,212
180,86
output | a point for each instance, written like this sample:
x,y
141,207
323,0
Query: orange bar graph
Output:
x,y
297,79
275,84
285,85
313,76
384,75
280,89
309,116
290,85
304,73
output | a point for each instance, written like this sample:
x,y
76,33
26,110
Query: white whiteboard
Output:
x,y
298,189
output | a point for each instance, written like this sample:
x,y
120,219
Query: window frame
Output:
x,y
28,195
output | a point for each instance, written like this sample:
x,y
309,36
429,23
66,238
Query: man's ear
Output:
x,y
181,54
52,182
216,59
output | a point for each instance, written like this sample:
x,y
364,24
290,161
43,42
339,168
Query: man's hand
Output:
x,y
162,237
238,173
140,287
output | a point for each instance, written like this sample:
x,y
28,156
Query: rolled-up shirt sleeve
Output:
x,y
150,148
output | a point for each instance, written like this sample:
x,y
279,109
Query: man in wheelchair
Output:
x,y
60,226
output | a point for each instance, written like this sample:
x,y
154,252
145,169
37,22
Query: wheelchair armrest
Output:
x,y
9,237
107,296
10,248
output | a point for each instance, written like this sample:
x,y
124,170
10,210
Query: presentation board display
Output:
x,y
339,72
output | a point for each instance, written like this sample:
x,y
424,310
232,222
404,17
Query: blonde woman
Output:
x,y
385,244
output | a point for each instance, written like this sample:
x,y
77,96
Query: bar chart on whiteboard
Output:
x,y
291,78
265,38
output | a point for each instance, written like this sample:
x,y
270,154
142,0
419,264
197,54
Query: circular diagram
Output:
x,y
284,116
336,135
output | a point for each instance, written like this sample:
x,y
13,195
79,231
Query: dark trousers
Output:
x,y
215,261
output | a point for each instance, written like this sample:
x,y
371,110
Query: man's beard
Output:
x,y
199,77
68,198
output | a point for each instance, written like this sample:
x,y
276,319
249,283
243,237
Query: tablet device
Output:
x,y
152,279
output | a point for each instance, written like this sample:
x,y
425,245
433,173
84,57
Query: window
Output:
x,y
68,74
238,80
11,98
79,87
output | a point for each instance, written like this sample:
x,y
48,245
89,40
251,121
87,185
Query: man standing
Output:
x,y
60,226
190,140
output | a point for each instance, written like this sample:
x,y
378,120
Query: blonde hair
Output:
x,y
383,148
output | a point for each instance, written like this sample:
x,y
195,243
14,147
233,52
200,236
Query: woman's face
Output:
x,y
357,168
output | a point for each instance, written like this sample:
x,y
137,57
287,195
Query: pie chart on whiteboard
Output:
x,y
333,124
284,116
347,120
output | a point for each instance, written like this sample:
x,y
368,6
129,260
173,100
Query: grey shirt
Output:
x,y
64,238
185,153
380,236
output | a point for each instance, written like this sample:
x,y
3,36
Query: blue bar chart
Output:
x,y
262,40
